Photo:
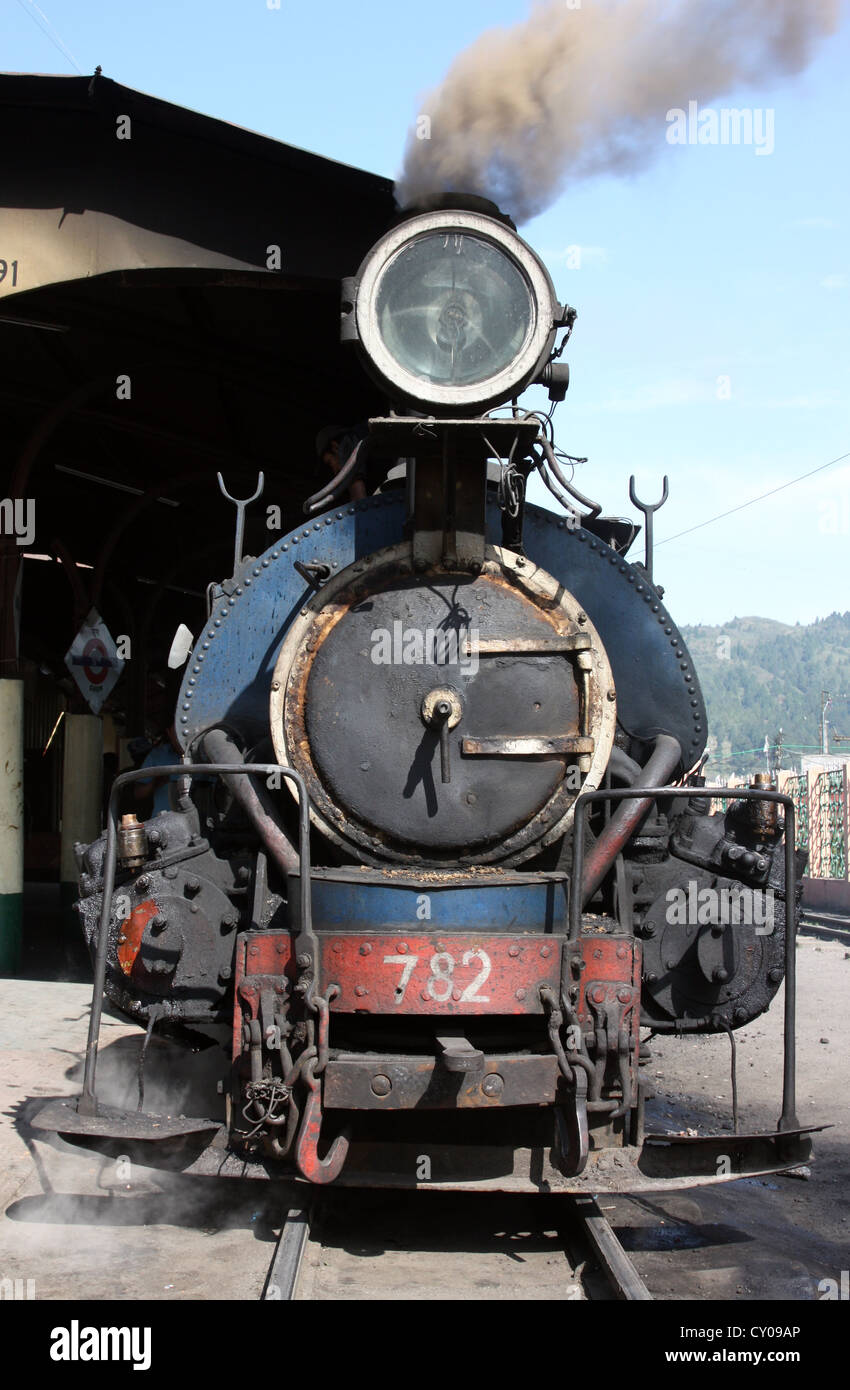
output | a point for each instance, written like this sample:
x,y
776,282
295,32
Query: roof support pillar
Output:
x,y
11,824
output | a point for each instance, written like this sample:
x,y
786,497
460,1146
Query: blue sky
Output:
x,y
713,262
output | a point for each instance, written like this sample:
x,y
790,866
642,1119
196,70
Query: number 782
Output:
x,y
440,984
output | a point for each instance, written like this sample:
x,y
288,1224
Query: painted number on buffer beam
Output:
x,y
441,982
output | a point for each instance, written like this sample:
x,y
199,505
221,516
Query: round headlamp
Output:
x,y
452,311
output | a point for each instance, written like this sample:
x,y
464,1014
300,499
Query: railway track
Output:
x,y
329,1249
827,926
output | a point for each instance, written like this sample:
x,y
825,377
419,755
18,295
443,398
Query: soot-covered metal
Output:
x,y
496,731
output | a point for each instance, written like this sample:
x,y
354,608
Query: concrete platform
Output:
x,y
82,1226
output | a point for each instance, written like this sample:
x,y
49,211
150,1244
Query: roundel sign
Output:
x,y
93,660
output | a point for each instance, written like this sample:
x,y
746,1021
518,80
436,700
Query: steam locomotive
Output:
x,y
460,852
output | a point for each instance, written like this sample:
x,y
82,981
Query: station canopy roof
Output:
x,y
169,308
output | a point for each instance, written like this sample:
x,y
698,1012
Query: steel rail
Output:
x,y
282,1278
825,926
609,1254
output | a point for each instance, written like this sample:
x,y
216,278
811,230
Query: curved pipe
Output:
x,y
624,767
328,494
219,747
595,507
628,818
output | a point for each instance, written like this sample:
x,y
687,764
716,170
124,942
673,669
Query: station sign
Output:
x,y
93,661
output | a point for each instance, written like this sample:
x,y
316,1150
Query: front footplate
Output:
x,y
665,1162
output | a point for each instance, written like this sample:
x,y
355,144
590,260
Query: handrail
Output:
x,y
88,1100
788,1118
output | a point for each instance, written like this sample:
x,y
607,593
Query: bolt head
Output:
x,y
365,949
493,1084
360,991
513,950
624,995
520,994
720,976
305,960
381,1085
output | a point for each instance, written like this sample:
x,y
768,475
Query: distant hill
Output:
x,y
758,675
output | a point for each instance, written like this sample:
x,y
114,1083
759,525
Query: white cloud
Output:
x,y
836,282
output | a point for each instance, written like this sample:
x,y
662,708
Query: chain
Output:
x,y
321,1006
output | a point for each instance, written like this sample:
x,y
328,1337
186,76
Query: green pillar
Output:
x,y
11,823
82,779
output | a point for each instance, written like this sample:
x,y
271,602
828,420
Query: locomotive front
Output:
x,y
464,877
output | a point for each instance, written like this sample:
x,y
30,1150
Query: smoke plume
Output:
x,y
573,92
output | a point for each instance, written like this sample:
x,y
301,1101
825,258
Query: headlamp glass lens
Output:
x,y
453,309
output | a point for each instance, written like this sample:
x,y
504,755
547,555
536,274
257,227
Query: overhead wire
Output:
x,y
30,7
720,516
